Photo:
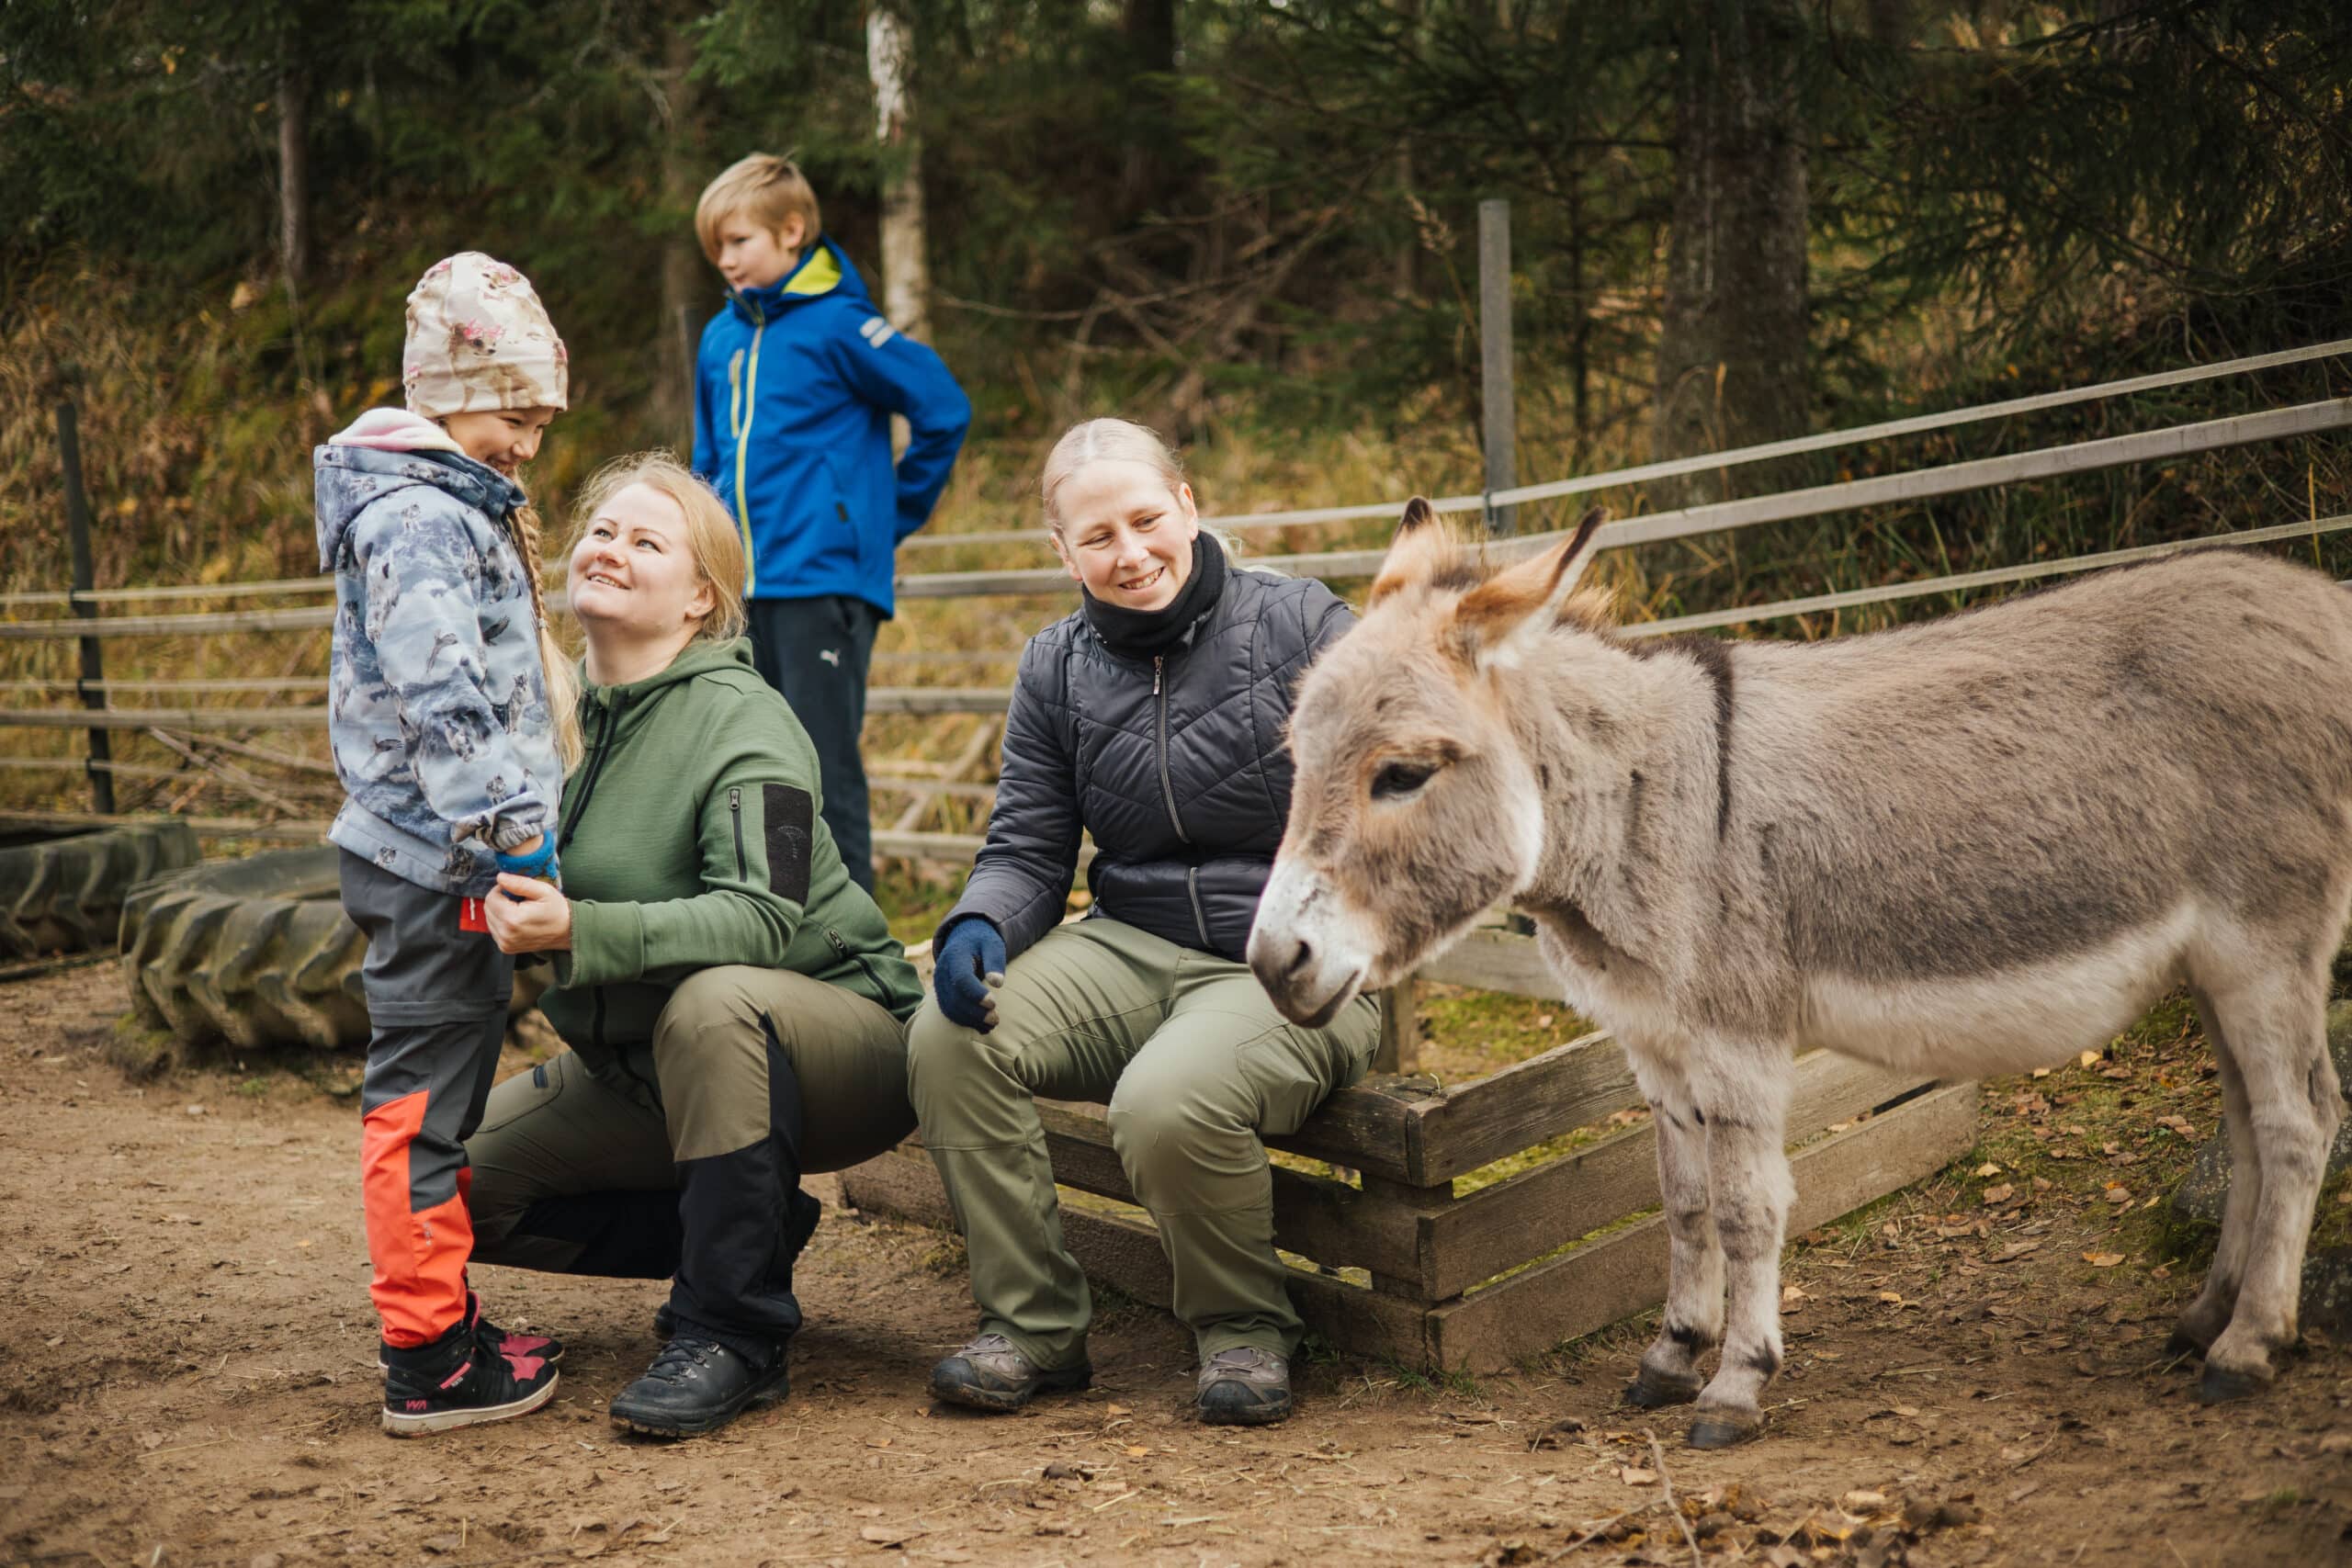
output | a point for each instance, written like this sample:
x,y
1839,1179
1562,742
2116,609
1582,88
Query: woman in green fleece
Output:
x,y
735,1004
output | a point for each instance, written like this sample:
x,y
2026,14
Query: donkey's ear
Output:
x,y
1423,545
1504,618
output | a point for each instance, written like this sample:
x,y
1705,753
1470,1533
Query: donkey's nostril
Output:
x,y
1299,959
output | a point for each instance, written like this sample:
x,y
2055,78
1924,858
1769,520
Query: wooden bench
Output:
x,y
1393,1263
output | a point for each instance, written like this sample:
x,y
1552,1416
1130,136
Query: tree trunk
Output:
x,y
906,274
1731,366
1149,29
1892,25
294,174
687,284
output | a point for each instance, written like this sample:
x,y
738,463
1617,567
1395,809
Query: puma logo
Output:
x,y
832,656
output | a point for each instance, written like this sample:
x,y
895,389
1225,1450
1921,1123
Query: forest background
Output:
x,y
1250,223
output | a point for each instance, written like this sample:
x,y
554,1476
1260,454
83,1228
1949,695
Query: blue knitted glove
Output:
x,y
969,967
541,863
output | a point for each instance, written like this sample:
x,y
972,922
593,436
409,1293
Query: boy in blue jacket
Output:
x,y
795,384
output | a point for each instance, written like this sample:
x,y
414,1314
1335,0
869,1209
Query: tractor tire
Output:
x,y
62,889
256,953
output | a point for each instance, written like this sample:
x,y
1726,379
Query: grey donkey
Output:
x,y
1969,847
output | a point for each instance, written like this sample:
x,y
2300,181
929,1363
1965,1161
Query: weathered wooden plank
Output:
x,y
1370,1127
938,699
165,718
1492,960
1625,1273
207,624
1568,1087
1502,1227
1400,1029
902,1183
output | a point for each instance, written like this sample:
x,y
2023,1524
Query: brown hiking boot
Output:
x,y
1244,1386
989,1374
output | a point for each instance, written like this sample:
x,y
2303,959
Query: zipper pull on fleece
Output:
x,y
1157,661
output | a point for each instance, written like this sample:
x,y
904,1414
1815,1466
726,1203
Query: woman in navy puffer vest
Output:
x,y
1152,719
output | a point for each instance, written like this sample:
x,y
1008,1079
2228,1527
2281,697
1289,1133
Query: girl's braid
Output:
x,y
562,680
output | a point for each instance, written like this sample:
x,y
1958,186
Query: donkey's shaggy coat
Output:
x,y
1970,847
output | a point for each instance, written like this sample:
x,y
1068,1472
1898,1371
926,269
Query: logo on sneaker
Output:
x,y
419,1404
526,1367
832,656
453,1379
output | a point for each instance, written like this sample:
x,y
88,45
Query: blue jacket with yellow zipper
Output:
x,y
795,384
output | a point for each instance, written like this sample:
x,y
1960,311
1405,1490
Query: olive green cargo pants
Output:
x,y
681,1159
1196,1064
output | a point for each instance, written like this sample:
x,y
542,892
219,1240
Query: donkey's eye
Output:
x,y
1396,780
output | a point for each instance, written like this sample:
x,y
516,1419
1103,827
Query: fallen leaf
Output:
x,y
2102,1259
1987,1168
2016,1250
1134,1451
2089,1059
1891,1298
878,1442
2000,1194
890,1535
1791,1294
1862,1502
1632,1476
1118,1410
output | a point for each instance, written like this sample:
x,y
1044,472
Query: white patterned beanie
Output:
x,y
480,339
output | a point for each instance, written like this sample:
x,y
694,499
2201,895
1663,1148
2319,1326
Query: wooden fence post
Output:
x,y
1399,1050
77,530
1494,390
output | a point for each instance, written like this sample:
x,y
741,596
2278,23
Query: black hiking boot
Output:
x,y
989,1374
460,1380
1244,1386
697,1385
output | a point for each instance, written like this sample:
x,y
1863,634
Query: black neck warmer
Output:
x,y
1147,634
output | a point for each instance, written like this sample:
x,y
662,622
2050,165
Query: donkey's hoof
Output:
x,y
2184,1343
2220,1383
1654,1390
1723,1429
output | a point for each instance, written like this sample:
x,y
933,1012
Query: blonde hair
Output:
x,y
1121,440
563,680
763,187
712,543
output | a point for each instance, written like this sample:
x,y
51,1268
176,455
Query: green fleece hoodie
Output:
x,y
690,838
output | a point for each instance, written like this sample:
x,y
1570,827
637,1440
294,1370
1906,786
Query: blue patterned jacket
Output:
x,y
437,702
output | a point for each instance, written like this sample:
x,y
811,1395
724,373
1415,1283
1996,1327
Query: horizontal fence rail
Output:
x,y
998,699
1707,462
1918,484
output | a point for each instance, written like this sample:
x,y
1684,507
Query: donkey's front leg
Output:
x,y
1751,1189
1693,1322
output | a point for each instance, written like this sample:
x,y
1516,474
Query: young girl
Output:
x,y
451,715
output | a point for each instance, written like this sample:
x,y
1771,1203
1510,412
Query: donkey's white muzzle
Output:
x,y
1305,948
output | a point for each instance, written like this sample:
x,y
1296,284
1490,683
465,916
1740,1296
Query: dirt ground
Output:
x,y
186,1376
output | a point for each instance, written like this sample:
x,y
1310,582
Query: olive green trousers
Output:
x,y
1195,1065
